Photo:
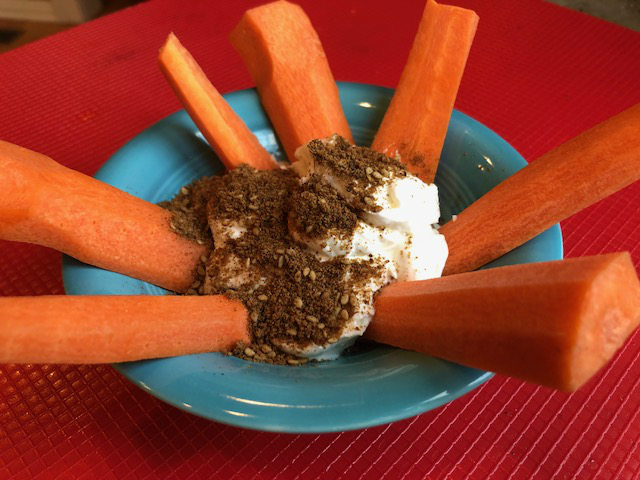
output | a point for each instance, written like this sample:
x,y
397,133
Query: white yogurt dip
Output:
x,y
397,226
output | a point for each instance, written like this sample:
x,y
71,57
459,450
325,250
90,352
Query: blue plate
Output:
x,y
373,386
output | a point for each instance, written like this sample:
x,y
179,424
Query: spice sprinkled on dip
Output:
x,y
306,248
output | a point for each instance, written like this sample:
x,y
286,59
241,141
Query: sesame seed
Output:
x,y
253,206
249,352
184,191
263,297
344,314
321,326
203,258
280,251
344,299
306,271
378,175
369,170
266,348
332,340
256,231
254,316
298,276
312,319
247,262
297,302
292,331
312,276
353,300
200,242
293,361
280,261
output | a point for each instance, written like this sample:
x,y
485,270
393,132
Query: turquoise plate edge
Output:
x,y
372,387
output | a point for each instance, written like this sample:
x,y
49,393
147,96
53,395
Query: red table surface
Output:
x,y
537,74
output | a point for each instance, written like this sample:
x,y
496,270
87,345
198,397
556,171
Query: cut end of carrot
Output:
x,y
230,138
610,313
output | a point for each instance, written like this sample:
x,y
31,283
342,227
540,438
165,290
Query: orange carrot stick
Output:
x,y
562,182
417,119
554,323
285,58
106,329
225,131
44,203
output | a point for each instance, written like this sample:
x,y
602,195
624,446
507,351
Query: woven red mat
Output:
x,y
538,75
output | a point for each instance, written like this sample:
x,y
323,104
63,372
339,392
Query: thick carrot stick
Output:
x,y
562,182
44,203
106,329
554,323
225,131
285,58
417,119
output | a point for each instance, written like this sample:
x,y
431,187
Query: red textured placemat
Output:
x,y
538,75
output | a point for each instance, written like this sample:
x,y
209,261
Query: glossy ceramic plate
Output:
x,y
376,385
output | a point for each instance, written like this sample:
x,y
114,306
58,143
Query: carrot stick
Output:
x,y
417,119
554,323
562,182
285,58
225,131
44,203
106,329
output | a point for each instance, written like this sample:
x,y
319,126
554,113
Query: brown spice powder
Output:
x,y
362,170
318,211
293,297
189,209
